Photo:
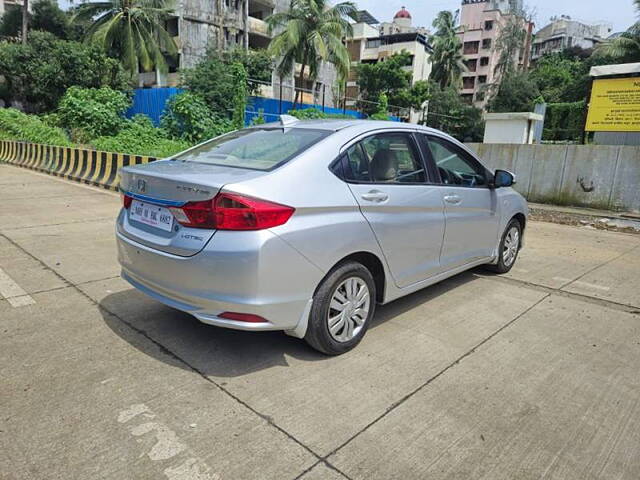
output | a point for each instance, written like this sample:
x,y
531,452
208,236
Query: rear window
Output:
x,y
255,148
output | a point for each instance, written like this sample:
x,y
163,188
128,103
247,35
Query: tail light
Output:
x,y
126,201
232,212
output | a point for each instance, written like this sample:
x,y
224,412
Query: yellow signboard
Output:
x,y
615,106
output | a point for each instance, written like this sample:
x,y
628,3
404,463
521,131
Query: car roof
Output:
x,y
340,124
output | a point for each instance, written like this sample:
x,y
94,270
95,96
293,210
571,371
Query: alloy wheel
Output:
x,y
511,246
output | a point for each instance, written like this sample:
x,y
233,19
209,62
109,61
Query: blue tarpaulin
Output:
x,y
152,101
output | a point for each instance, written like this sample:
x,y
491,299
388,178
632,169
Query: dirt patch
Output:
x,y
614,223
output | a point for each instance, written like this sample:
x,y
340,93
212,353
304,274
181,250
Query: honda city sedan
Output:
x,y
306,226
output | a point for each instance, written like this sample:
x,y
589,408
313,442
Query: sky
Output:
x,y
620,13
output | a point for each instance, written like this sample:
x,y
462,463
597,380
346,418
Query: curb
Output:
x,y
91,167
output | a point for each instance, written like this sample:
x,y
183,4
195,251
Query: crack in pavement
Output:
x,y
622,307
324,459
397,403
179,359
602,265
45,225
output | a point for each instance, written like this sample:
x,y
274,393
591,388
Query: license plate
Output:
x,y
151,215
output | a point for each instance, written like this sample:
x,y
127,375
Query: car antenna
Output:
x,y
287,120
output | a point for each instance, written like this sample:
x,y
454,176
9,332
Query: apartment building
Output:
x,y
373,42
226,24
481,22
563,33
8,4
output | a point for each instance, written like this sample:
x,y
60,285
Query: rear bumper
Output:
x,y
242,272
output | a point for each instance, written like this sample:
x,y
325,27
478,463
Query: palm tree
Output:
x,y
132,30
311,32
447,58
627,45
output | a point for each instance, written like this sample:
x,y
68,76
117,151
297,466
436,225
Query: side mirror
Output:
x,y
502,178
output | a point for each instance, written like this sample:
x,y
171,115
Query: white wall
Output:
x,y
507,131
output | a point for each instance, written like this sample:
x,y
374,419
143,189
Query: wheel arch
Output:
x,y
522,219
373,263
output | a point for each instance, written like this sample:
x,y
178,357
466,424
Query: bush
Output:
x,y
314,114
15,125
564,121
39,73
187,117
138,136
239,95
95,111
383,109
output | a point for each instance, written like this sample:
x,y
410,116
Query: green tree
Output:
x,y
11,22
388,78
509,44
449,113
131,30
48,17
447,56
311,32
39,73
558,77
626,48
187,117
257,63
517,92
212,81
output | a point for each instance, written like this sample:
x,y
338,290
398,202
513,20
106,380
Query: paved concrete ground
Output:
x,y
532,375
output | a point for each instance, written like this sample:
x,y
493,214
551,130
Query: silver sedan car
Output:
x,y
304,226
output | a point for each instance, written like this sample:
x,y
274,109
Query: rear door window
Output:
x,y
256,148
384,158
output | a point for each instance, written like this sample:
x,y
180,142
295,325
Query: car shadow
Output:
x,y
179,339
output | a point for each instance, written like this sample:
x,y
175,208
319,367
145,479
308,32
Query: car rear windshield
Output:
x,y
255,148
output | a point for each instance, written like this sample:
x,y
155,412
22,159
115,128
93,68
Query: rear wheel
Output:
x,y
343,307
509,248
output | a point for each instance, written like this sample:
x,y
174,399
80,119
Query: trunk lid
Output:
x,y
158,186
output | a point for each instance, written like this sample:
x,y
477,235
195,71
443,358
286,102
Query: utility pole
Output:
x,y
25,20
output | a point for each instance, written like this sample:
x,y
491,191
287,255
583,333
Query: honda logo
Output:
x,y
142,186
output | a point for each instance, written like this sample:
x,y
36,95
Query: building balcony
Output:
x,y
258,27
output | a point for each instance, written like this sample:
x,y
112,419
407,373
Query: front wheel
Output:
x,y
509,248
343,307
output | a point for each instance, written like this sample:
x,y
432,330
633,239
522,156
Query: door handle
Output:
x,y
375,196
453,199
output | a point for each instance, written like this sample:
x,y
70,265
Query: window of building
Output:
x,y
471,47
484,61
467,98
472,64
468,82
171,26
480,97
486,43
482,79
375,43
488,25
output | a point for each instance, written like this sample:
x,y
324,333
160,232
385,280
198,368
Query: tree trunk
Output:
x,y
302,69
25,20
301,81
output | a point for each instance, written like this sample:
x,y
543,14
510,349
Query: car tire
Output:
x,y
343,307
509,248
